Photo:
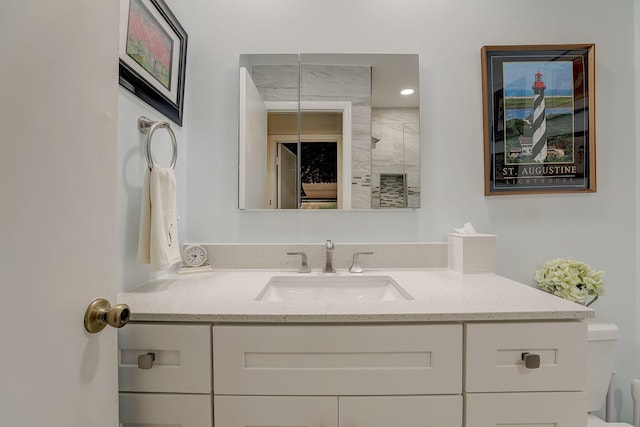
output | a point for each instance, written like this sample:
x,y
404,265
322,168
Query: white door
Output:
x,y
252,145
287,178
59,87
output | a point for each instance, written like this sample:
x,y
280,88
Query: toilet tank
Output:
x,y
602,337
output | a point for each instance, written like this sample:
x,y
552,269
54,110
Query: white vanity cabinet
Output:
x,y
342,411
400,411
451,374
164,375
311,360
272,411
501,391
338,375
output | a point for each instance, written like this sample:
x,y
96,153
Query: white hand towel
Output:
x,y
158,240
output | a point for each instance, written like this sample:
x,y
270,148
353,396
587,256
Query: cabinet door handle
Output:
x,y
145,361
531,360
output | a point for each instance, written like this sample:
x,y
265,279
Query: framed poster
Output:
x,y
153,55
539,119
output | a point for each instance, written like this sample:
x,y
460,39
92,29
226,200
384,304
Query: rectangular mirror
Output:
x,y
329,131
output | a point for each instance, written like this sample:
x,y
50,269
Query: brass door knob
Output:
x,y
100,314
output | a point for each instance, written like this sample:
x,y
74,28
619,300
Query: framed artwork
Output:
x,y
153,55
539,119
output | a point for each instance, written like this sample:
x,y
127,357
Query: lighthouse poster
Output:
x,y
538,119
538,103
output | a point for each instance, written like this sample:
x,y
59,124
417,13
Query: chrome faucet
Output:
x,y
328,265
304,266
355,264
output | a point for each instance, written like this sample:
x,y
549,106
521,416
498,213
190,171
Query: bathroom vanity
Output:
x,y
463,350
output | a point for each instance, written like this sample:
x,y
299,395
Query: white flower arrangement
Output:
x,y
571,280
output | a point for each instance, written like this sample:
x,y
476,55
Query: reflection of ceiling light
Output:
x,y
406,91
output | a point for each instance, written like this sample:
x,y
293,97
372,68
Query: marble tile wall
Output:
x,y
393,193
276,82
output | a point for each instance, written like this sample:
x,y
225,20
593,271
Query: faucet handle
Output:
x,y
355,265
304,267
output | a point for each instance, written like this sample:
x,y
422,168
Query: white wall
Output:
x,y
131,168
599,228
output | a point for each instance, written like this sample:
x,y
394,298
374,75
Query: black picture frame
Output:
x,y
153,55
539,119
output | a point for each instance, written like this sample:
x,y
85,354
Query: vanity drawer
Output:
x,y
337,359
556,409
494,356
182,358
186,410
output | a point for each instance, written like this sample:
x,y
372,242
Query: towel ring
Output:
x,y
149,126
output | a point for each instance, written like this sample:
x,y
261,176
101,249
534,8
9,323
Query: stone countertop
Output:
x,y
440,295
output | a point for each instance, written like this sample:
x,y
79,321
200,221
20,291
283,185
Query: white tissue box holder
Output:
x,y
472,253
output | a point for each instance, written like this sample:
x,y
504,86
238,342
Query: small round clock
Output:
x,y
195,256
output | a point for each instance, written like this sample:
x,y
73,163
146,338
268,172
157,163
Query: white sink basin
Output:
x,y
332,288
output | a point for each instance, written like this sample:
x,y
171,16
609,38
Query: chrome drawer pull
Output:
x,y
145,361
531,360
